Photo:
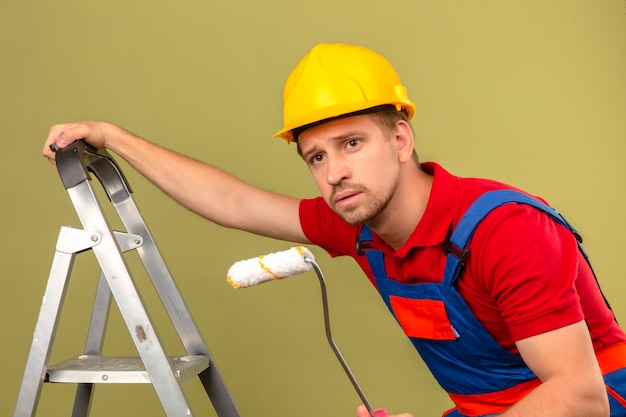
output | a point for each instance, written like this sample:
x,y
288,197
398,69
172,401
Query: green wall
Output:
x,y
528,92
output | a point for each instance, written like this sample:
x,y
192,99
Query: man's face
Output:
x,y
354,165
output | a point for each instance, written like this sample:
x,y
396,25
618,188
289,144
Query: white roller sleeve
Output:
x,y
277,265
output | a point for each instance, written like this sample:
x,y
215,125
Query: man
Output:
x,y
522,328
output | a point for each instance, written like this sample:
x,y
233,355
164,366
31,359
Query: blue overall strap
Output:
x,y
375,257
456,247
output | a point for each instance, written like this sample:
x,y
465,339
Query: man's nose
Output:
x,y
336,171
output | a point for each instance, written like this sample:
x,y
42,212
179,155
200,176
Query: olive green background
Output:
x,y
528,92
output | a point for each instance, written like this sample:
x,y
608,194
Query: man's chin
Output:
x,y
353,218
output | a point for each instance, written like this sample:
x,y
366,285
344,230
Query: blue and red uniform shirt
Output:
x,y
524,275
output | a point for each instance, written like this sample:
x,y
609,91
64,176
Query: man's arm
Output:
x,y
572,384
202,188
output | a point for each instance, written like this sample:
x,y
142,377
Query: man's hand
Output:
x,y
362,411
95,133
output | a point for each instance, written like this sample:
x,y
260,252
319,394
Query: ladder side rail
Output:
x,y
74,168
99,317
140,327
113,181
47,322
189,334
93,346
97,328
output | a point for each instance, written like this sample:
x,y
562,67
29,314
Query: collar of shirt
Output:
x,y
432,229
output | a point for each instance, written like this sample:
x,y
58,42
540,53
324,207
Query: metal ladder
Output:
x,y
75,163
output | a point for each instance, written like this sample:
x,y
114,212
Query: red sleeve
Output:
x,y
528,264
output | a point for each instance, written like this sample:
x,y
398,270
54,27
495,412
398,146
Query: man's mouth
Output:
x,y
345,198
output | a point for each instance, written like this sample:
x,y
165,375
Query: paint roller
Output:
x,y
284,264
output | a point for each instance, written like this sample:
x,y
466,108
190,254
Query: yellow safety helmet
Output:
x,y
337,79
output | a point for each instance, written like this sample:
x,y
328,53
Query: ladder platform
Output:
x,y
91,369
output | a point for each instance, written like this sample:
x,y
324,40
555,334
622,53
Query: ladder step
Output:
x,y
94,369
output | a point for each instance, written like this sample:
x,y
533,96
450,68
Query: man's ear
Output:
x,y
404,140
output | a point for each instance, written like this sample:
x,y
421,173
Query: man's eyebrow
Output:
x,y
305,154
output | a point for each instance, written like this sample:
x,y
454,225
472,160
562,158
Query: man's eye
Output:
x,y
352,143
317,158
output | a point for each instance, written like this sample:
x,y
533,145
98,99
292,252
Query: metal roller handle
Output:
x,y
318,271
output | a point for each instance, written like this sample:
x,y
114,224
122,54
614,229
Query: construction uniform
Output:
x,y
523,274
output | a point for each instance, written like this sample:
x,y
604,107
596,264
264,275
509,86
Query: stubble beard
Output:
x,y
356,214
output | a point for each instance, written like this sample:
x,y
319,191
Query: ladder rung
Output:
x,y
93,369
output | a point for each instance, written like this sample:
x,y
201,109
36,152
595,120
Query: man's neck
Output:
x,y
396,224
